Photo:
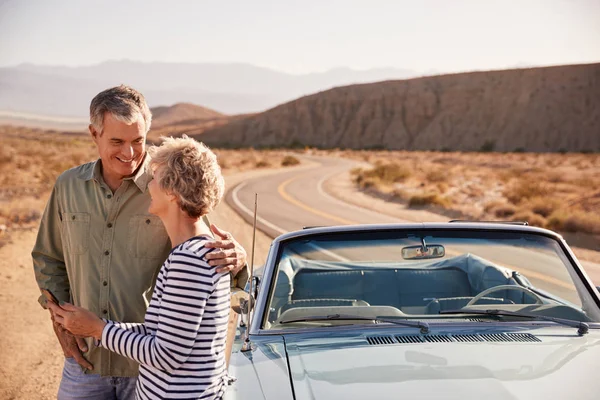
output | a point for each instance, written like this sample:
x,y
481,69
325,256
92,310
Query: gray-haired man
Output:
x,y
99,248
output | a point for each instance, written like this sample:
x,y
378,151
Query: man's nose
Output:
x,y
127,151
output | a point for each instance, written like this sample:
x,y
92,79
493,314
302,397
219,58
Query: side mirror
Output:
x,y
241,301
255,286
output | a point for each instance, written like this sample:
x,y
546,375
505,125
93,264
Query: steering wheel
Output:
x,y
538,299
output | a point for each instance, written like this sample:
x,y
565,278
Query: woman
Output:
x,y
181,344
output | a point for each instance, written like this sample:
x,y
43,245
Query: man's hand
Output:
x,y
230,257
71,346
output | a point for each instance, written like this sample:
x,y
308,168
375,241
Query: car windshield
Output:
x,y
421,274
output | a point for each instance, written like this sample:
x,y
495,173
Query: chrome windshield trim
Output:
x,y
474,325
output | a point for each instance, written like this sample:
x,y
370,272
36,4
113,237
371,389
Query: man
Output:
x,y
99,248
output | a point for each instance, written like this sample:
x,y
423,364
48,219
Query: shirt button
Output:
x,y
104,312
104,283
106,252
148,221
109,196
109,225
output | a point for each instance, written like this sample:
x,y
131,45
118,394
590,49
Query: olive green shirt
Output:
x,y
102,251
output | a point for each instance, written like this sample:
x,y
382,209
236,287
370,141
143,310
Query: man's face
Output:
x,y
121,147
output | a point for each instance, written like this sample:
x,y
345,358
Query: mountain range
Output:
x,y
228,88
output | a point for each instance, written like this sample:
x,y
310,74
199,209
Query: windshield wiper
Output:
x,y
424,326
583,327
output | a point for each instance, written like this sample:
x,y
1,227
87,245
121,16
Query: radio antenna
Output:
x,y
247,345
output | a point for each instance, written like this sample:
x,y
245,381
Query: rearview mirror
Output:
x,y
423,252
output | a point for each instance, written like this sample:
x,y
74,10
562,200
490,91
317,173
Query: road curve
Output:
x,y
292,200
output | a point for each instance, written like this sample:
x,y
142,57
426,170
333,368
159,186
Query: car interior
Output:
x,y
420,288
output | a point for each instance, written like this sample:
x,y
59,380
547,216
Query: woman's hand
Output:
x,y
78,321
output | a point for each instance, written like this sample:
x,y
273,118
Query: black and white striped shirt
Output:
x,y
181,344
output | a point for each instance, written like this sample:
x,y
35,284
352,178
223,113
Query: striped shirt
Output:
x,y
181,344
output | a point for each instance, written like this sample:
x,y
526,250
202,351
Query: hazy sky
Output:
x,y
304,36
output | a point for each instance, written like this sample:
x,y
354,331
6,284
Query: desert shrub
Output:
x,y
575,221
7,154
288,161
529,217
262,164
400,194
367,182
491,205
500,209
524,190
356,171
504,211
437,175
542,206
389,172
556,220
555,177
420,200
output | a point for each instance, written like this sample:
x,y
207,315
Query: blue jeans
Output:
x,y
77,385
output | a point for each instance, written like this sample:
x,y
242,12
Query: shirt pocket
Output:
x,y
76,232
147,237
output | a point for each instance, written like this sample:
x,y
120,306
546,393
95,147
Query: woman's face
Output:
x,y
159,198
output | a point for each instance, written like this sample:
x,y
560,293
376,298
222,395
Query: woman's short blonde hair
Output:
x,y
190,171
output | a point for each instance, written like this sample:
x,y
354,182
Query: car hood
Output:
x,y
561,365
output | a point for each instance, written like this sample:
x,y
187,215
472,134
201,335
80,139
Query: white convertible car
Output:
x,y
419,311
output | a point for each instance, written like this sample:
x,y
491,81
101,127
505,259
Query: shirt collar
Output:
x,y
92,171
141,178
143,175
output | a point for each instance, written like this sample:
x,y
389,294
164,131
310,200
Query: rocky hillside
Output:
x,y
534,109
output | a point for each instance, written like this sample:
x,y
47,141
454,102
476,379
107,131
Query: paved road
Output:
x,y
292,200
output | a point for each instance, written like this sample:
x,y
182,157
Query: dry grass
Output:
x,y
289,161
556,191
32,159
381,175
420,200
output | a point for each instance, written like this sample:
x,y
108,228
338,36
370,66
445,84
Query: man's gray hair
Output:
x,y
125,104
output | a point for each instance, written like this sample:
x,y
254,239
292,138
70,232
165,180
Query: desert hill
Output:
x,y
181,112
187,118
533,109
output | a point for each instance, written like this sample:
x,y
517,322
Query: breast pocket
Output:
x,y
147,237
76,232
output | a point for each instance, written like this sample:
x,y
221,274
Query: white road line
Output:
x,y
329,253
238,203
